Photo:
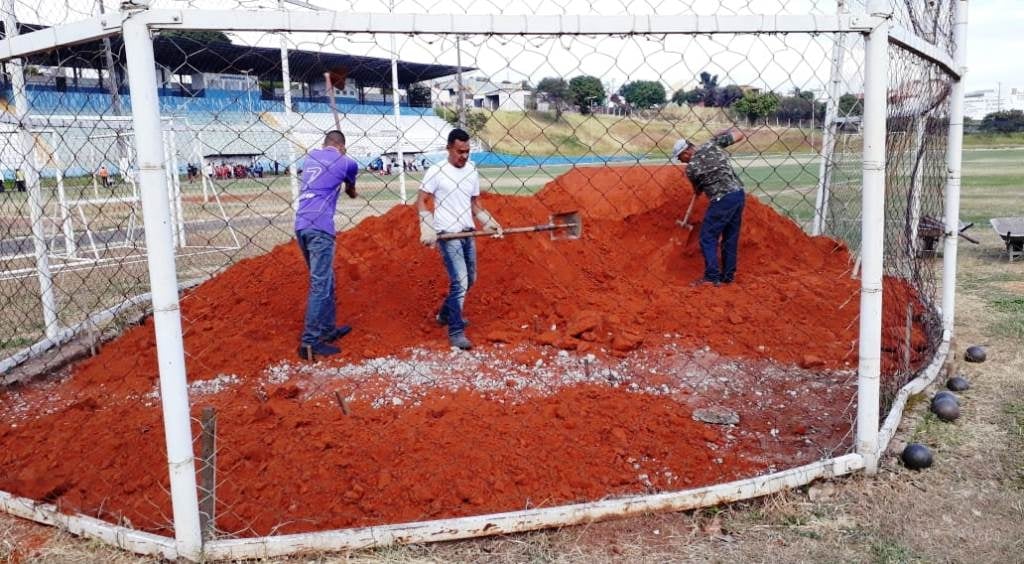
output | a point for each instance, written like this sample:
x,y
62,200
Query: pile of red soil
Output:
x,y
623,286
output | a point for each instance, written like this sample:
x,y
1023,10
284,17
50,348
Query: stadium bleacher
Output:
x,y
48,100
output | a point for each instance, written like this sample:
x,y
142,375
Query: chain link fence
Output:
x,y
598,370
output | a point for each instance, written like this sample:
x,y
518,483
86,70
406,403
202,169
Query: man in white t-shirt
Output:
x,y
455,186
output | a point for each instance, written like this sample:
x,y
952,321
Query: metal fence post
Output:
x,y
30,169
869,367
954,156
156,215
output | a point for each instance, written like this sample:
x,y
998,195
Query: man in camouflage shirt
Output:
x,y
709,171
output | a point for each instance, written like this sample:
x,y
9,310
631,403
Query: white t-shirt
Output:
x,y
452,189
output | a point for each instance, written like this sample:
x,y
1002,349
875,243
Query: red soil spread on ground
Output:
x,y
621,288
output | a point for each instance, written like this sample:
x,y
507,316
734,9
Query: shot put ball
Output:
x,y
975,353
916,456
958,384
946,409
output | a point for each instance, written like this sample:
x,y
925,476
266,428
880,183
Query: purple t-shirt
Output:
x,y
323,173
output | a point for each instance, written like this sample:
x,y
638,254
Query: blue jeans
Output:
x,y
460,261
722,222
318,250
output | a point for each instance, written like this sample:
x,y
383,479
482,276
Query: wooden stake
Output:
x,y
909,338
342,403
208,473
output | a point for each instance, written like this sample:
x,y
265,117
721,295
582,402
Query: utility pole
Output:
x,y
461,100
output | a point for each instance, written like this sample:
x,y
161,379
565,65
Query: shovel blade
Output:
x,y
567,226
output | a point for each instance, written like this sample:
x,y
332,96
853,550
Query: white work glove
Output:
x,y
427,234
488,223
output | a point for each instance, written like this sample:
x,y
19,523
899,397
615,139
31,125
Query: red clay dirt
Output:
x,y
299,465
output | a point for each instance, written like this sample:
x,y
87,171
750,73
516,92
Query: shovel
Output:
x,y
563,227
685,222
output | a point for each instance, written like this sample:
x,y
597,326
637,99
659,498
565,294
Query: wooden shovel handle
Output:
x,y
530,229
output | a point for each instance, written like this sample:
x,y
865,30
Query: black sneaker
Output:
x,y
337,333
443,321
310,352
460,341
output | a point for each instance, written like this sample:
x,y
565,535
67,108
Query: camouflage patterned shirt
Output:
x,y
709,170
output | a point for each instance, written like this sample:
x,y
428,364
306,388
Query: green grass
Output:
x,y
891,552
1010,321
993,139
933,431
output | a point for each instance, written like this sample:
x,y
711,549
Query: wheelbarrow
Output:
x,y
563,226
1011,231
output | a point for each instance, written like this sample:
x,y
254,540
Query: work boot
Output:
x,y
310,352
337,333
460,341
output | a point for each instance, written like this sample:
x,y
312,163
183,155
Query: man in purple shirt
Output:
x,y
323,173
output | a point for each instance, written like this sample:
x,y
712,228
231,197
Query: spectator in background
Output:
x,y
258,170
19,180
104,175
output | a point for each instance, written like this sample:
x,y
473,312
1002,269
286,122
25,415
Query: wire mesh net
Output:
x,y
598,369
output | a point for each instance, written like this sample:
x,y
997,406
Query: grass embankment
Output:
x,y
539,133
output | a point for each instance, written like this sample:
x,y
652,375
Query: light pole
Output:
x,y
248,97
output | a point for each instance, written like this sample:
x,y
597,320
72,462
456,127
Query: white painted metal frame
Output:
x,y
159,234
954,157
156,212
869,366
829,129
443,529
51,324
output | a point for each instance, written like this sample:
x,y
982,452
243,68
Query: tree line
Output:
x,y
1007,121
584,93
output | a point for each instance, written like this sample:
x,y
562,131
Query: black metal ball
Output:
x,y
958,384
916,456
945,394
946,409
975,353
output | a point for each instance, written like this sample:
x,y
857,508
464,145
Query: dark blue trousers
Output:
x,y
722,224
318,250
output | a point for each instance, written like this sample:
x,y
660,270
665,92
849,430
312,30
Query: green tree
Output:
x,y
475,121
586,91
690,97
757,106
643,93
1009,121
851,105
419,96
726,96
709,87
554,91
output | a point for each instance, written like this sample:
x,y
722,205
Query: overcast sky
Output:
x,y
995,44
995,47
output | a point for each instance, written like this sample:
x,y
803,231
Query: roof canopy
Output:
x,y
185,55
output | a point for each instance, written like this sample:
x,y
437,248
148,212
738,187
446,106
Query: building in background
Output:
x,y
980,103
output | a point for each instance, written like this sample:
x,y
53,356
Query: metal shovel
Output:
x,y
685,222
563,227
